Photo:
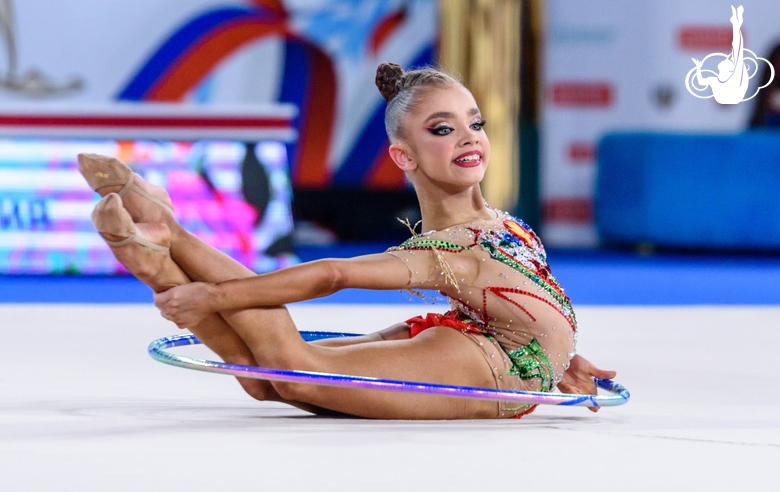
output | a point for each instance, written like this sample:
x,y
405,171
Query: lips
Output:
x,y
472,162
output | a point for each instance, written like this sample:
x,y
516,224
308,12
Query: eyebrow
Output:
x,y
447,114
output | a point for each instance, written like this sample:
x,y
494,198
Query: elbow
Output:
x,y
333,277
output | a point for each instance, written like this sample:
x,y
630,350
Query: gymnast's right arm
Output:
x,y
186,303
312,280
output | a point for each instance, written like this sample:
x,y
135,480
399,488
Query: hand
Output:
x,y
697,62
578,378
186,305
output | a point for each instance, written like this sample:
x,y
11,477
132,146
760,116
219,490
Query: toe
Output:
x,y
110,217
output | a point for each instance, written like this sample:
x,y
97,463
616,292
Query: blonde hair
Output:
x,y
402,91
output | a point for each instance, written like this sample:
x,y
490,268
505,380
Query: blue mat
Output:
x,y
714,192
589,279
626,279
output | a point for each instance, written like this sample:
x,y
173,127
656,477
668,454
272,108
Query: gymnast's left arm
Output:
x,y
187,305
578,378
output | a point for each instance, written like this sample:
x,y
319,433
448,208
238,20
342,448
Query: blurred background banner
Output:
x,y
239,106
318,56
236,103
45,204
611,66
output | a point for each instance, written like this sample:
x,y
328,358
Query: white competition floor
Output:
x,y
84,408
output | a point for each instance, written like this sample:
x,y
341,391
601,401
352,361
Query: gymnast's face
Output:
x,y
444,143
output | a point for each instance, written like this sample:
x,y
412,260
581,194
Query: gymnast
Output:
x,y
731,84
510,325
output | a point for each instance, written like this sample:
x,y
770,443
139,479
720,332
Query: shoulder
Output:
x,y
506,222
508,233
454,239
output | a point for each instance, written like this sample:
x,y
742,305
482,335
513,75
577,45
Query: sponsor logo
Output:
x,y
729,84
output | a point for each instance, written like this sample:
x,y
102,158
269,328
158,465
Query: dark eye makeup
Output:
x,y
443,129
479,124
440,130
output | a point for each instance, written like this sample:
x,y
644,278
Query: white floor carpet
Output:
x,y
83,408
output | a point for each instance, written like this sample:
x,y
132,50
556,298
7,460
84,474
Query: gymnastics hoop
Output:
x,y
157,349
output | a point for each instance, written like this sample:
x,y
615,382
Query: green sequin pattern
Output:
x,y
511,242
415,243
531,362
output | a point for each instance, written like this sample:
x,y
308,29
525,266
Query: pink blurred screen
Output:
x,y
236,202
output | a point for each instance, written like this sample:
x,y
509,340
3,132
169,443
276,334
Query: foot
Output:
x,y
142,248
110,175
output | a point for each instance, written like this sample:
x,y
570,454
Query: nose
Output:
x,y
470,137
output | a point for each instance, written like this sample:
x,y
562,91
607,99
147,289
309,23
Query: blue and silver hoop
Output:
x,y
618,395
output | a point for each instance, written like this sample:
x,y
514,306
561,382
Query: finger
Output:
x,y
160,298
571,390
602,374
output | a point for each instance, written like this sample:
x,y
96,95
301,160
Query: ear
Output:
x,y
402,157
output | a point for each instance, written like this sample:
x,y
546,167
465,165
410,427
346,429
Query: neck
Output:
x,y
441,209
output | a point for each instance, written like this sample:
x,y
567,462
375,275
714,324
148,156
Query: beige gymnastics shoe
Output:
x,y
110,175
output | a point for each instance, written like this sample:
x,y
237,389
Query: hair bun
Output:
x,y
388,79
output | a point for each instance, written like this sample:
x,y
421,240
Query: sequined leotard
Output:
x,y
502,294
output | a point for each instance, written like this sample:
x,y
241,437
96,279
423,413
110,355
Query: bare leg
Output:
x,y
440,355
201,262
399,331
160,272
109,175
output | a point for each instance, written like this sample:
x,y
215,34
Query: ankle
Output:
x,y
178,233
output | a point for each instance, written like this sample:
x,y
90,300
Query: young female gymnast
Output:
x,y
510,327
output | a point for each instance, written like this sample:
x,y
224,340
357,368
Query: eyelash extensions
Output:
x,y
439,129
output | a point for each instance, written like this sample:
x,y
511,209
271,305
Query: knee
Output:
x,y
284,357
290,360
295,391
